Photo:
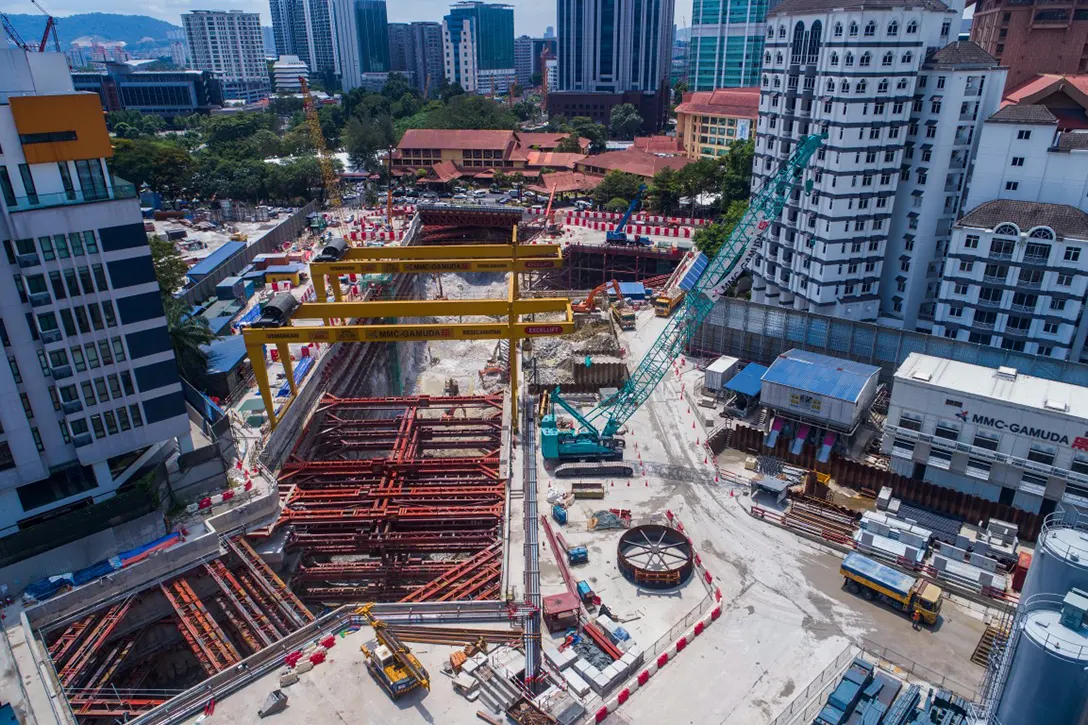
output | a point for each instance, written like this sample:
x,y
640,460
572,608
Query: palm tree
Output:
x,y
187,334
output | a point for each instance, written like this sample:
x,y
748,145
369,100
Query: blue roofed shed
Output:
x,y
631,290
827,391
748,381
212,262
226,369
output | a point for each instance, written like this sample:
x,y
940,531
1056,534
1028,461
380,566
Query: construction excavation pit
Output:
x,y
393,499
655,557
131,654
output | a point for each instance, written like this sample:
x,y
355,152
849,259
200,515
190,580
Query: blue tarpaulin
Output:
x,y
250,316
748,381
301,368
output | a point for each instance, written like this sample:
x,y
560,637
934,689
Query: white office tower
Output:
x,y
900,103
286,73
91,397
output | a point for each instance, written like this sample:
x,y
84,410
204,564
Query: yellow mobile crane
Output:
x,y
328,174
391,663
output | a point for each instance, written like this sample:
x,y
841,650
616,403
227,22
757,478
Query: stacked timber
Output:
x,y
821,519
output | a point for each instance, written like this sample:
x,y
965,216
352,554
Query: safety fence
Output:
x,y
638,218
634,228
806,705
911,671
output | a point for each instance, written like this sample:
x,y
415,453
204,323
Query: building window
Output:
x,y
1017,160
947,430
978,469
1041,454
910,421
986,440
1064,279
1072,254
28,184
1023,135
1012,185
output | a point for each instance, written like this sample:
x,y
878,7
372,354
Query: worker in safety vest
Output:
x,y
916,619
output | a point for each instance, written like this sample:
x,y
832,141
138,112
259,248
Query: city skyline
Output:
x,y
530,18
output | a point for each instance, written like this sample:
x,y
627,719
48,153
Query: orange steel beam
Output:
x,y
289,603
243,628
455,572
208,642
66,643
252,613
265,602
107,704
102,630
109,664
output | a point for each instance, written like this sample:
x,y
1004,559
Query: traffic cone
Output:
x,y
715,478
730,493
693,425
628,484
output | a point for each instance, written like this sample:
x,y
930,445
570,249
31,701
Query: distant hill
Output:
x,y
106,26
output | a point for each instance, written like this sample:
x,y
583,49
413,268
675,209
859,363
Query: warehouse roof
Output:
x,y
210,263
1003,384
824,375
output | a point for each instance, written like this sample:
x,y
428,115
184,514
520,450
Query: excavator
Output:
x,y
596,435
619,234
391,663
589,304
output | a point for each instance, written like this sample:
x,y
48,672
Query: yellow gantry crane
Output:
x,y
329,178
277,324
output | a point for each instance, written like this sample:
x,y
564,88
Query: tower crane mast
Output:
x,y
328,174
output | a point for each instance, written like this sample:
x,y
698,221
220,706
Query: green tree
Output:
x,y
617,185
370,196
187,331
737,171
364,137
471,112
698,178
624,122
664,192
570,145
617,205
133,124
163,166
448,90
396,86
595,132
536,80
709,240
559,124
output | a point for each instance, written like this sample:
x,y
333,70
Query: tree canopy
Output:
x,y
624,123
617,185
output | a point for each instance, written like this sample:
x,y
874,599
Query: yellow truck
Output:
x,y
624,316
874,580
667,302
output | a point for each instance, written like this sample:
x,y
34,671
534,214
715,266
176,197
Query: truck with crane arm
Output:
x,y
619,234
391,663
596,434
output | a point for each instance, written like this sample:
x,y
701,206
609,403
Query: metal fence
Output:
x,y
285,232
758,332
805,706
911,671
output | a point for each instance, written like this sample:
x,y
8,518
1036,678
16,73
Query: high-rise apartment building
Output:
x,y
91,389
304,28
362,42
428,67
1032,37
230,45
527,56
901,104
478,46
726,45
611,52
401,49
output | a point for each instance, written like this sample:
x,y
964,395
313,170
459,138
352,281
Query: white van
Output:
x,y
479,192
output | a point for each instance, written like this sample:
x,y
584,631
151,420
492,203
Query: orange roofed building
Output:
x,y
447,155
707,122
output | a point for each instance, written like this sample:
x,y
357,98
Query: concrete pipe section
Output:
x,y
655,557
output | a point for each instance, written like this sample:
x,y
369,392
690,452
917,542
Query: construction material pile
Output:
x,y
610,519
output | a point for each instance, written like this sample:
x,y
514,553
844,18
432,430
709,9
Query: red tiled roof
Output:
x,y
446,171
563,181
554,159
546,140
1046,82
632,161
659,144
434,138
737,102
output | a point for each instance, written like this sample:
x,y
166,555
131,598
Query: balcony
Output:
x,y
121,190
995,278
1036,259
999,255
52,336
71,407
28,260
64,371
40,299
1022,308
996,304
1030,283
982,325
83,439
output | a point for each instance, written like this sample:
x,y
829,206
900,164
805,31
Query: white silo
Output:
x,y
1047,680
1060,562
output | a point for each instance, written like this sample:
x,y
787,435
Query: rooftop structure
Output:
x,y
631,161
1065,96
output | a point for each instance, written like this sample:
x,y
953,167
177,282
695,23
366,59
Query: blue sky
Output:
x,y
530,16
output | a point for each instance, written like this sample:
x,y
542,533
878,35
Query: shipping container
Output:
x,y
231,288
720,372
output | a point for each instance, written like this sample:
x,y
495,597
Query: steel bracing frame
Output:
x,y
103,659
394,482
